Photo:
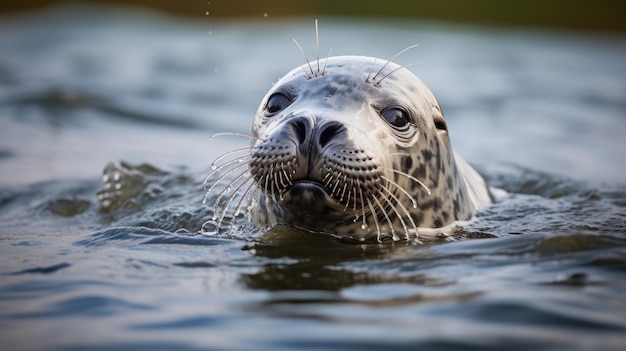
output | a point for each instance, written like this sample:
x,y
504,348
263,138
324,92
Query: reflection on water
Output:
x,y
106,120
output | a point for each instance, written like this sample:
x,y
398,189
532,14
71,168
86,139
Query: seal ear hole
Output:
x,y
441,124
276,103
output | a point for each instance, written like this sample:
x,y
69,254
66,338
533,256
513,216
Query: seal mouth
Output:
x,y
308,197
306,188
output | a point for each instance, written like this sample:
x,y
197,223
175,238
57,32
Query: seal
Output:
x,y
355,149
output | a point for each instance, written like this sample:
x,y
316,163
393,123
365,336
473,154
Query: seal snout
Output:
x,y
313,137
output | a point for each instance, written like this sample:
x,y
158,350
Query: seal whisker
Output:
x,y
227,189
395,210
219,180
229,153
240,203
328,180
382,209
281,174
317,46
408,195
236,134
216,169
347,200
266,186
375,215
364,224
306,59
229,201
410,177
251,201
286,175
326,62
345,185
398,68
369,74
393,58
406,212
335,187
245,194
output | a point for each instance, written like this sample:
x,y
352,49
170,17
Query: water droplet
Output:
x,y
228,189
210,32
213,166
364,226
209,228
251,206
265,15
207,13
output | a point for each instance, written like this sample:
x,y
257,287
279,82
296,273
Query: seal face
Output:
x,y
357,151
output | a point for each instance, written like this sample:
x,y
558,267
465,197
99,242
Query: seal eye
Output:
x,y
396,117
276,103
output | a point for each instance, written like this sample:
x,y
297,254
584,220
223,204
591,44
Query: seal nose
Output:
x,y
326,132
310,134
302,128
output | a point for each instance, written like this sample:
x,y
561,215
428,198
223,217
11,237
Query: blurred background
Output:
x,y
605,15
533,92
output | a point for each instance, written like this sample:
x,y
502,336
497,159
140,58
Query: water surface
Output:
x,y
90,91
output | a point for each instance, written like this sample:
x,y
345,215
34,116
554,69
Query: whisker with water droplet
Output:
x,y
221,177
408,195
241,160
230,199
382,209
406,212
409,177
227,189
375,215
229,153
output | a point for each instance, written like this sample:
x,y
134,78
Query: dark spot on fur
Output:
x,y
449,181
445,215
438,222
407,163
420,172
428,155
418,218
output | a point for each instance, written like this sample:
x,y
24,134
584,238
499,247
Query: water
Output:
x,y
86,92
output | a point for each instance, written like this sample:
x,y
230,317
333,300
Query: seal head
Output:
x,y
358,151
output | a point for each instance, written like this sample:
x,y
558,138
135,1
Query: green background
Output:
x,y
601,15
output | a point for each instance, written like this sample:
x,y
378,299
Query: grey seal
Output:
x,y
354,148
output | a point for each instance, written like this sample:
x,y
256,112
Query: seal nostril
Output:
x,y
328,133
300,127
